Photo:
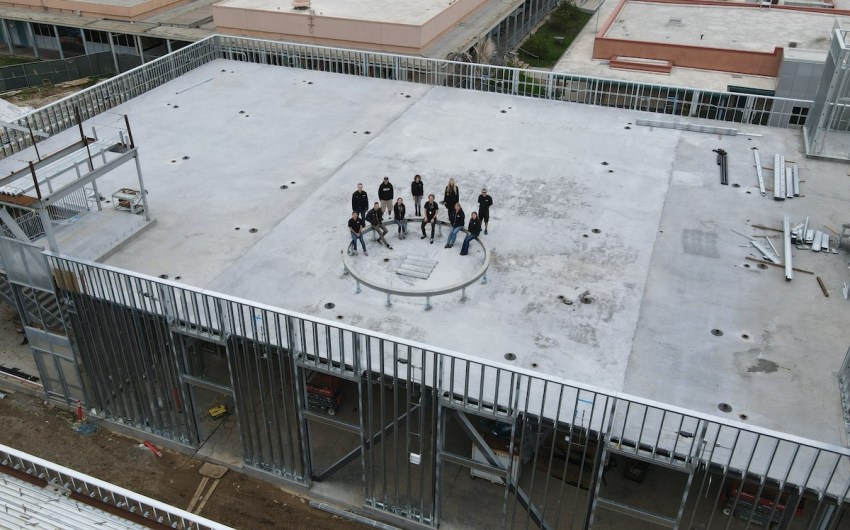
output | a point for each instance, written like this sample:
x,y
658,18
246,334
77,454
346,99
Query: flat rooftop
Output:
x,y
250,170
722,27
579,60
415,12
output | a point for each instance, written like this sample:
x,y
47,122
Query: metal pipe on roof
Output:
x,y
796,179
786,233
758,171
778,178
789,183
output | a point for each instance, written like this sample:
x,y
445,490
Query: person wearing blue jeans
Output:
x,y
457,225
473,230
355,228
399,211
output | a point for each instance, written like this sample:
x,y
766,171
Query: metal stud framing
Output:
x,y
421,410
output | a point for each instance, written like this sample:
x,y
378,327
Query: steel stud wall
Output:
x,y
417,405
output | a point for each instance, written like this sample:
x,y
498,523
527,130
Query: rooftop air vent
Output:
x,y
793,44
301,4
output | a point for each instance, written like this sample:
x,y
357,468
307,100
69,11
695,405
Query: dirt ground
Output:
x,y
40,96
46,431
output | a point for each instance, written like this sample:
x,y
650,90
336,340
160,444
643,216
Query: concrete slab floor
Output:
x,y
583,201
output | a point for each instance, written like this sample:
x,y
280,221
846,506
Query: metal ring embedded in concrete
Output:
x,y
480,274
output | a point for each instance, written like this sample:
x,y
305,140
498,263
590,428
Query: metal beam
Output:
x,y
91,177
473,464
478,440
49,159
786,237
525,502
203,383
13,226
354,453
636,512
522,497
327,420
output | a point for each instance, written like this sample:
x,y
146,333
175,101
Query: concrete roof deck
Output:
x,y
663,268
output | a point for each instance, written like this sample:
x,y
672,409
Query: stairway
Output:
x,y
42,308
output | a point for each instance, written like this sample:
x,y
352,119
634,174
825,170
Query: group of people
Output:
x,y
429,210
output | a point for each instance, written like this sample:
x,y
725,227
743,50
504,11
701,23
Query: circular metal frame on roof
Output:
x,y
479,274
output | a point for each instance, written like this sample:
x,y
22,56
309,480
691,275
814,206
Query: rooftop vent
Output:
x,y
301,4
793,44
674,22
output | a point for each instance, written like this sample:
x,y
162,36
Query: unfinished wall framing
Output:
x,y
414,426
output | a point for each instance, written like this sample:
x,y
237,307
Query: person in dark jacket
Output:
x,y
484,204
398,215
385,195
360,203
430,208
451,197
457,225
376,219
417,188
472,233
356,231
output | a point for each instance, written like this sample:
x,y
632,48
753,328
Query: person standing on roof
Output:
x,y
451,197
360,203
417,189
385,195
430,208
484,204
398,215
376,219
355,228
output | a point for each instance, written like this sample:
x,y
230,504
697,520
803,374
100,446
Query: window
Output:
x,y
121,39
43,30
97,36
798,116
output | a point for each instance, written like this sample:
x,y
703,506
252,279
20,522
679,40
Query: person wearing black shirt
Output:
x,y
376,219
457,225
472,233
355,229
451,197
385,195
417,190
430,209
398,215
484,204
360,203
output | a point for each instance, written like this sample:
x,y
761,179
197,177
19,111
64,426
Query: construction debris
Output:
x,y
822,286
724,168
750,258
759,174
14,372
778,177
153,449
786,229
